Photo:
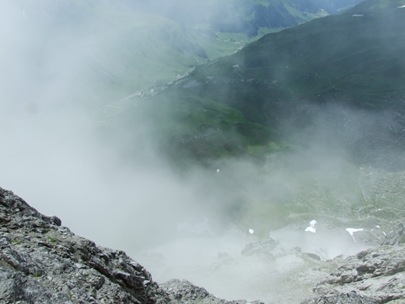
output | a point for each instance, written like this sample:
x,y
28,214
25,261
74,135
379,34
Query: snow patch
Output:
x,y
311,227
352,231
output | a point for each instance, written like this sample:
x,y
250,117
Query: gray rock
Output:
x,y
396,236
372,276
44,262
342,298
185,292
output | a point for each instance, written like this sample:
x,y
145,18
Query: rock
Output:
x,y
342,298
185,292
372,276
44,262
396,236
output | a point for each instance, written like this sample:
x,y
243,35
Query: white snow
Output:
x,y
352,231
311,227
251,231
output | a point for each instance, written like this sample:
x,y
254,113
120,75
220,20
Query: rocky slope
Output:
x,y
371,276
44,262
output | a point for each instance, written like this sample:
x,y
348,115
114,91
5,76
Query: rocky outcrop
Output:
x,y
44,262
372,276
185,292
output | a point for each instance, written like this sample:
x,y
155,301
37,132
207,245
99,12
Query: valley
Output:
x,y
241,145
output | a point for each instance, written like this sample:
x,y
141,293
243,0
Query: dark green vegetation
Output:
x,y
253,101
347,58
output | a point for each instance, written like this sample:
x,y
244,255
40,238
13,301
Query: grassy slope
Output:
x,y
342,57
354,59
346,59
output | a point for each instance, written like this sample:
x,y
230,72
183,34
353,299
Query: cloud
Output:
x,y
53,154
58,71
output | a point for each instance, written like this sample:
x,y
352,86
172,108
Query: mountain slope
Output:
x,y
277,83
105,50
247,17
354,57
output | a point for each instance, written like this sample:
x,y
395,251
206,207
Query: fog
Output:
x,y
191,224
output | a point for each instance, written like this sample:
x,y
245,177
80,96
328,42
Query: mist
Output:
x,y
59,78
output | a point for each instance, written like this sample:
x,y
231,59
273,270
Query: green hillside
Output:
x,y
355,57
274,86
